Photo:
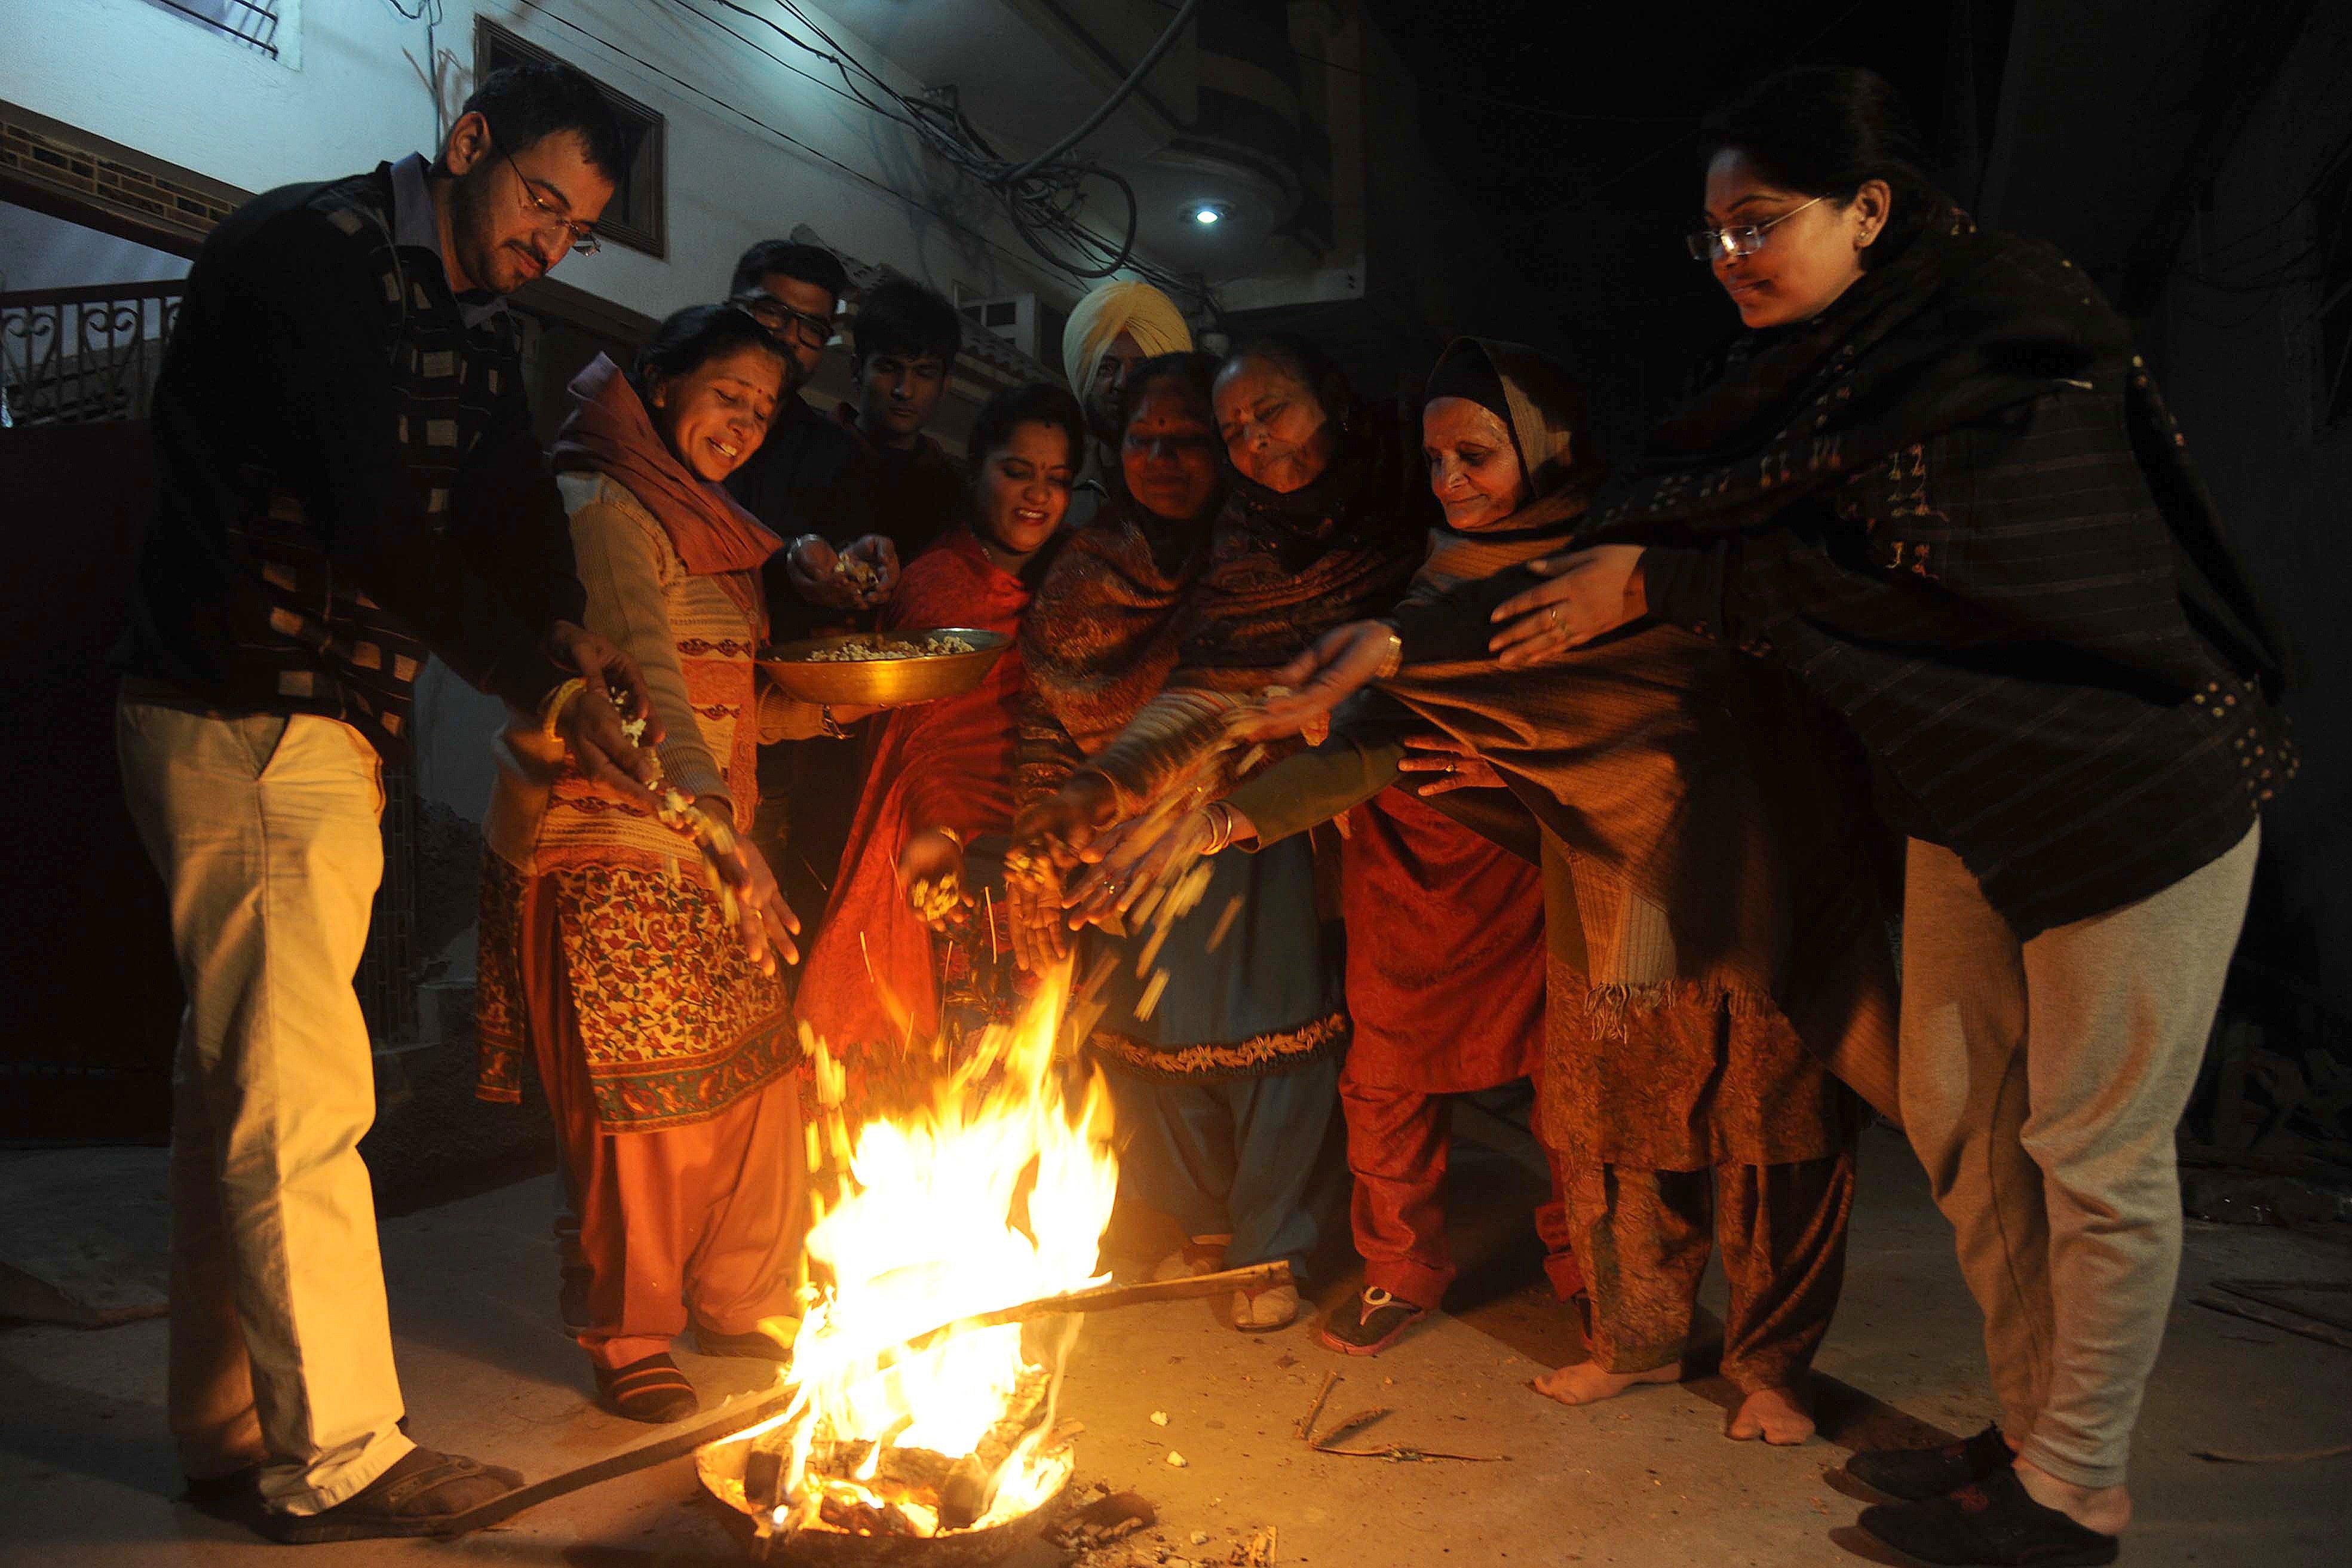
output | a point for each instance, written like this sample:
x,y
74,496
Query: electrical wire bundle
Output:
x,y
1044,195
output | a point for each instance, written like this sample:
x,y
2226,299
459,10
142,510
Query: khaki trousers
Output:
x,y
2040,1084
264,831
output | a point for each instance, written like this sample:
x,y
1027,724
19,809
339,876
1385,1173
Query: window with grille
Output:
x,y
635,216
255,24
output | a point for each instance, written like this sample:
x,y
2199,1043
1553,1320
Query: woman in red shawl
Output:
x,y
910,959
650,1003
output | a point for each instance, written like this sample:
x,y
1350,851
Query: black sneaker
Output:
x,y
1993,1523
1916,1474
1369,1323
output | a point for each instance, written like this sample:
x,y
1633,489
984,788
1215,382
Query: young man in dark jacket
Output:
x,y
907,338
347,483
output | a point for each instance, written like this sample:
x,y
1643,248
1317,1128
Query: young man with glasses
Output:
x,y
347,483
811,483
805,482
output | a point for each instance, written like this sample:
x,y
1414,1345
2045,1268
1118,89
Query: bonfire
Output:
x,y
911,1419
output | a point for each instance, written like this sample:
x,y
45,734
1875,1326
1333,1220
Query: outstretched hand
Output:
x,y
1590,592
1129,860
1343,661
931,876
763,918
1049,837
1455,764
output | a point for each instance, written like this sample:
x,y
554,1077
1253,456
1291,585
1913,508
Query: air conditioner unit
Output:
x,y
1023,321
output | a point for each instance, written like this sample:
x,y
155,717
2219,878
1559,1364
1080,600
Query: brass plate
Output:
x,y
883,682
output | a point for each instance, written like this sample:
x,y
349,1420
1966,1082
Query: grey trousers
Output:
x,y
2041,1085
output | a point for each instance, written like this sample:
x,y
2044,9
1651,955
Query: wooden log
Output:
x,y
1109,1298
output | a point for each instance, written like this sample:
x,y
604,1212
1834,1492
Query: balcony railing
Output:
x,y
70,356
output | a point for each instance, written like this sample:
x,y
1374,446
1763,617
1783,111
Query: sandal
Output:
x,y
1265,1309
652,1390
421,1494
1201,1255
1369,1325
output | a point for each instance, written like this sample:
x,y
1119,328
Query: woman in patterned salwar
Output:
x,y
651,1009
902,971
1222,1041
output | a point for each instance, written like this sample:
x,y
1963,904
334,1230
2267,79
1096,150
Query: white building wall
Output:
x,y
140,75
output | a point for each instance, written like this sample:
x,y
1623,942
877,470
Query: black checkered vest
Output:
x,y
334,646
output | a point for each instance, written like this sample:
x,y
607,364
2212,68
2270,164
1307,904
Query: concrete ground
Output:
x,y
89,1474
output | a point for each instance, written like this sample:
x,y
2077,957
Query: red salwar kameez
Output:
x,y
873,985
1445,982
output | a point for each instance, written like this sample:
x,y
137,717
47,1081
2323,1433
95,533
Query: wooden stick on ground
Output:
x,y
1306,1428
1106,1298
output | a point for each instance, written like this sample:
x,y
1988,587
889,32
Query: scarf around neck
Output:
x,y
1961,324
608,432
1286,565
1099,637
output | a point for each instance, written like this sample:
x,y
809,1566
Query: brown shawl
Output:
x,y
1719,821
1284,568
1099,637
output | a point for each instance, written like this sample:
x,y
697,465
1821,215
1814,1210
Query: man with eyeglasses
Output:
x,y
347,482
805,482
809,482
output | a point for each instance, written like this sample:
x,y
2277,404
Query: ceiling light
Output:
x,y
1208,214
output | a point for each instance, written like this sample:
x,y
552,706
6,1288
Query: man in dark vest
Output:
x,y
348,481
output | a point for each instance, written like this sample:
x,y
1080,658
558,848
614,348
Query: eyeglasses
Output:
x,y
783,321
1732,242
580,237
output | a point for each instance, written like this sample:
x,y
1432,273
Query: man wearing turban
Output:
x,y
1115,328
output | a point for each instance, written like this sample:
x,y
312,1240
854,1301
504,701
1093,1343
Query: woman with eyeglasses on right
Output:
x,y
1935,480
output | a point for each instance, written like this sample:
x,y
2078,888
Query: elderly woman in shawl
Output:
x,y
911,957
1711,917
1451,999
1223,1027
654,1016
1115,328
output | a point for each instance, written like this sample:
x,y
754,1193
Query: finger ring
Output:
x,y
1553,616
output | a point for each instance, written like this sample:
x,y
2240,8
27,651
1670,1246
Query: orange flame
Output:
x,y
994,1194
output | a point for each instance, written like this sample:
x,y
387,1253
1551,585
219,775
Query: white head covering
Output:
x,y
1136,309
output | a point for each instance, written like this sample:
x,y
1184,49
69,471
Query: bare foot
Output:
x,y
1781,1416
1581,1382
2106,1509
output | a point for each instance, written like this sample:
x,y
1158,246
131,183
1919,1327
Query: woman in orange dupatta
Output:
x,y
911,957
650,1003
